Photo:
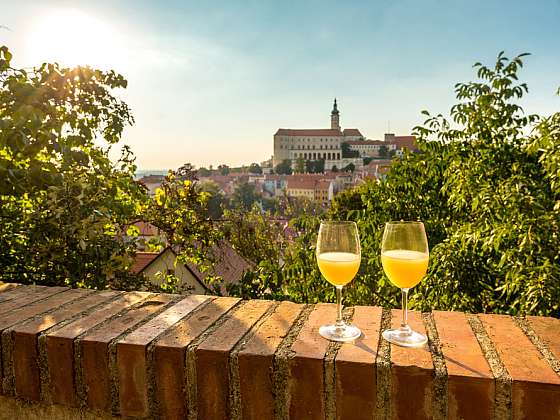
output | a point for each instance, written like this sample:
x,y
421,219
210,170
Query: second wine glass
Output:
x,y
338,257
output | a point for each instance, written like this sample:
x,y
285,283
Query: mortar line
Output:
x,y
502,378
329,370
234,400
112,353
190,380
153,405
439,389
7,341
281,365
383,370
524,325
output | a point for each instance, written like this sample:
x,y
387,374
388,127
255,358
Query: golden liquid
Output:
x,y
404,268
338,268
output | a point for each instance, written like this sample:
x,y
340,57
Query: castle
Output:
x,y
316,144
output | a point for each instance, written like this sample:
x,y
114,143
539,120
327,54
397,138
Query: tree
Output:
x,y
284,167
486,185
383,151
347,152
216,199
63,203
367,160
300,165
223,170
349,168
320,166
255,168
203,172
334,168
245,196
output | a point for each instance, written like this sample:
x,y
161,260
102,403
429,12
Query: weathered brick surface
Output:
x,y
25,336
169,356
20,303
548,329
255,362
165,356
94,350
305,382
132,363
212,359
536,387
412,374
355,368
469,375
60,347
58,297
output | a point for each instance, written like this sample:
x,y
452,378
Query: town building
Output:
x,y
315,144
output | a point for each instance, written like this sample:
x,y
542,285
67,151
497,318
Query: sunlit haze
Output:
x,y
210,82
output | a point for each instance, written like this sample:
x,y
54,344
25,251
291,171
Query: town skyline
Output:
x,y
211,84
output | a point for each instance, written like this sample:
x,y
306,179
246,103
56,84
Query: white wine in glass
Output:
x,y
338,257
404,256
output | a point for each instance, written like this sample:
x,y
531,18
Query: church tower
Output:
x,y
335,117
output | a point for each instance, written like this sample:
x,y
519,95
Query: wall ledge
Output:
x,y
76,353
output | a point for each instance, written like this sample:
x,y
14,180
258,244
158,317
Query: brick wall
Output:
x,y
83,354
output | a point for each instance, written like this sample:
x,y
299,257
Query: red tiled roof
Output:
x,y
229,264
142,260
365,142
351,132
322,185
302,184
146,229
312,132
404,141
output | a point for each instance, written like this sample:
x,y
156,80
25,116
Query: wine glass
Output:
x,y
404,256
338,257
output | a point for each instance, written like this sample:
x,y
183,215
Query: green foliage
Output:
x,y
223,170
487,186
383,151
180,210
63,204
284,167
347,152
244,196
255,168
349,168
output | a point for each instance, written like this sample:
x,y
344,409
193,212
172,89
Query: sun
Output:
x,y
71,37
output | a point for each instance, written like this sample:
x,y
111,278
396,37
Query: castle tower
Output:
x,y
335,125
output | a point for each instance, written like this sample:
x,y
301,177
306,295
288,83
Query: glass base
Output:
x,y
342,333
405,338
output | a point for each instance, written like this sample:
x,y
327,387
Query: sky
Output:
x,y
210,82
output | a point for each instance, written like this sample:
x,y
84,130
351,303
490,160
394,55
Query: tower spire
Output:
x,y
335,115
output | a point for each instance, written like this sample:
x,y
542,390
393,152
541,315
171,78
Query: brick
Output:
x,y
355,367
256,359
469,375
94,349
169,356
25,340
60,346
412,372
535,387
305,380
212,359
56,299
25,295
548,329
9,291
132,356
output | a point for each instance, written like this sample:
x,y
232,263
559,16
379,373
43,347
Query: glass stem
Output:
x,y
404,325
339,321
